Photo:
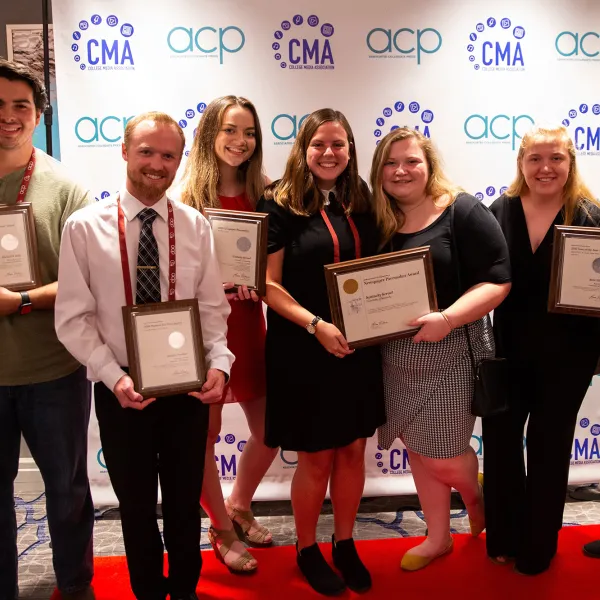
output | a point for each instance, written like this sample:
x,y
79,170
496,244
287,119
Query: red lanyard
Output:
x,y
26,178
334,237
125,260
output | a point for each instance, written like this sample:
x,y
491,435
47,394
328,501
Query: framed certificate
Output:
x,y
241,245
19,267
164,347
575,273
372,300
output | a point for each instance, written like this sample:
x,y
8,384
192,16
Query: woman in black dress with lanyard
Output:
x,y
323,399
553,357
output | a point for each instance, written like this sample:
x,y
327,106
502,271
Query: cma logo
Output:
x,y
587,449
570,45
404,42
411,115
304,45
585,135
285,127
108,46
496,46
96,130
207,40
496,129
490,192
397,462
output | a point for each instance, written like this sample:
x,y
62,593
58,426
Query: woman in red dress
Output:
x,y
224,170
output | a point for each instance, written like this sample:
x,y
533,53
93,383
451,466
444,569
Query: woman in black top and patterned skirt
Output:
x,y
428,379
552,355
323,399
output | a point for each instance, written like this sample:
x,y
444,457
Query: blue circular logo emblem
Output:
x,y
286,25
584,422
112,20
127,30
313,20
230,438
241,445
96,19
298,20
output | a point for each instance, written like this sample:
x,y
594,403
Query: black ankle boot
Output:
x,y
321,577
346,559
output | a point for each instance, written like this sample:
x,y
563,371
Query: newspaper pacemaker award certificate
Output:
x,y
374,299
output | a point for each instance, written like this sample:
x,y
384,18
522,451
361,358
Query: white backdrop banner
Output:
x,y
471,75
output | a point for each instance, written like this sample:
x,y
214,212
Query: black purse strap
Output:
x,y
456,261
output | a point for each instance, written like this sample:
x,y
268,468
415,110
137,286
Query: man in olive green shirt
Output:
x,y
44,392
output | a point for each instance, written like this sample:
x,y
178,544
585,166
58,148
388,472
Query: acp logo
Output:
x,y
496,129
496,46
571,45
308,46
402,115
585,129
285,128
100,132
205,42
585,448
103,44
289,459
403,42
186,124
490,192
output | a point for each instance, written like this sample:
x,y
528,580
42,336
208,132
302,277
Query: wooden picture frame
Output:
x,y
399,286
17,235
241,246
165,350
575,271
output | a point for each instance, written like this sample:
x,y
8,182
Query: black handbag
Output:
x,y
490,375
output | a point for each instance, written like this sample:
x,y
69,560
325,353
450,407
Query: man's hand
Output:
x,y
128,397
9,302
212,390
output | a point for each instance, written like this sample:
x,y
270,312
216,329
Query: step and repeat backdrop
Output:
x,y
472,75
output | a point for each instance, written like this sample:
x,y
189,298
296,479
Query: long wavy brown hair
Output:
x,y
575,192
297,190
388,212
201,175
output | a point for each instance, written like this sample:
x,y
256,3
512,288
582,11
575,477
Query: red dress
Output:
x,y
246,331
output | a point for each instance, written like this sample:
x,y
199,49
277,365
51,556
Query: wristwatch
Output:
x,y
311,327
25,307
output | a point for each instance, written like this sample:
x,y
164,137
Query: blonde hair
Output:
x,y
156,117
388,213
297,190
201,175
575,192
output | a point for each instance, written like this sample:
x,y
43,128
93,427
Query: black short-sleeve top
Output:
x,y
523,326
309,246
481,248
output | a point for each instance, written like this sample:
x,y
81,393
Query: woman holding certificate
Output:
x,y
323,399
225,170
428,379
552,357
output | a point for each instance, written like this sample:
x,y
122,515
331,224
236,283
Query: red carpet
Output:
x,y
465,574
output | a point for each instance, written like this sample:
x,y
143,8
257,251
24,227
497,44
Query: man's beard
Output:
x,y
146,190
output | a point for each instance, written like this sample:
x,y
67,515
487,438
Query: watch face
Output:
x,y
310,328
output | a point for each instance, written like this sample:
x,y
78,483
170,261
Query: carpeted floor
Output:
x,y
465,574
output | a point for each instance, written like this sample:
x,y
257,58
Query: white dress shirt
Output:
x,y
91,293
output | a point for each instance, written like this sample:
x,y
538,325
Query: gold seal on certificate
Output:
x,y
19,270
575,274
164,347
372,300
241,246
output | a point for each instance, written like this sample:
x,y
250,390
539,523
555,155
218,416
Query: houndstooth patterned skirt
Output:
x,y
429,389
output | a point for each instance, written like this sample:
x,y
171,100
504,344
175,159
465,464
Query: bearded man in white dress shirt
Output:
x,y
146,439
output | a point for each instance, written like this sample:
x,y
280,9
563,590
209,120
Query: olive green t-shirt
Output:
x,y
29,349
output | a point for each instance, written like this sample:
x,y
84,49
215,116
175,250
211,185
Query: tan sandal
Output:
x,y
243,521
221,542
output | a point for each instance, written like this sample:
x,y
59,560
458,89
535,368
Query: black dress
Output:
x,y
553,357
316,401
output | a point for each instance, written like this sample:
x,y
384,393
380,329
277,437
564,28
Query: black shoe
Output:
x,y
321,577
347,561
592,549
531,567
